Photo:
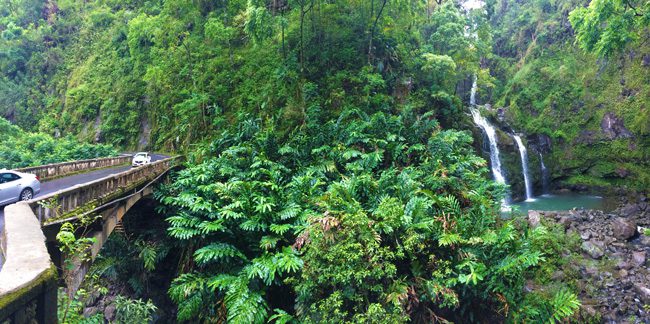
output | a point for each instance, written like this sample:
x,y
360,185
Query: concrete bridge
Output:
x,y
33,266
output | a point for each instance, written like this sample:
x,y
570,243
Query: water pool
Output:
x,y
565,201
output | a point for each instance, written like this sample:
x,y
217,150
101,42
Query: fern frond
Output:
x,y
280,229
217,252
564,304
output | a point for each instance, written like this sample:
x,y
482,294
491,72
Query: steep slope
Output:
x,y
589,113
167,74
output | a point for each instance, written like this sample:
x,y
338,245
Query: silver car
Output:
x,y
16,186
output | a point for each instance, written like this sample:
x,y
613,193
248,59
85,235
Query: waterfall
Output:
x,y
524,167
490,131
544,174
472,93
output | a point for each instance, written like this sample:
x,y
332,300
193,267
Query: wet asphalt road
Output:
x,y
67,182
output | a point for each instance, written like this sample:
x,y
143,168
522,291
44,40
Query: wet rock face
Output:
x,y
612,272
145,134
586,137
544,143
99,136
501,114
613,127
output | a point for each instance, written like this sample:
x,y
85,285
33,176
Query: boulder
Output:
x,y
623,265
533,218
622,172
557,275
591,271
592,249
638,258
644,240
643,292
623,229
110,312
630,210
566,221
586,137
589,310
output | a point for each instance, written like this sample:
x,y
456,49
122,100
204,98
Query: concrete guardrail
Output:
x,y
57,170
28,280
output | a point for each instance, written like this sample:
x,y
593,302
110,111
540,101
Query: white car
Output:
x,y
140,159
17,186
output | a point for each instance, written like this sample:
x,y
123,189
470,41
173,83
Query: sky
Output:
x,y
473,4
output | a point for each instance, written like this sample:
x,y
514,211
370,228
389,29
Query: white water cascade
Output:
x,y
472,93
524,166
495,161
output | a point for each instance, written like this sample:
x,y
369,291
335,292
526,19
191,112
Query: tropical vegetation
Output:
x,y
21,149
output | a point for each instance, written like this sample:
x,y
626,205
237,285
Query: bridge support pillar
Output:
x,y
46,309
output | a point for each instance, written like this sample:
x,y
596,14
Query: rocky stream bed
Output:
x,y
611,273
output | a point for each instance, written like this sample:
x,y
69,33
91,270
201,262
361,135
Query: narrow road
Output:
x,y
67,182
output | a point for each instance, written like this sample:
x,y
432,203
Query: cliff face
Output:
x,y
590,115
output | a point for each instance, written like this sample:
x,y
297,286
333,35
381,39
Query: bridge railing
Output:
x,y
96,193
56,170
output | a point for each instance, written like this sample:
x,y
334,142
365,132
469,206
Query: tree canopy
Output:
x,y
606,27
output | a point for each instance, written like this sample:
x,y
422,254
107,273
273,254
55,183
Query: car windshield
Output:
x,y
141,155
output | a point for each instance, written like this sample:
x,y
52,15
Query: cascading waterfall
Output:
x,y
495,161
472,93
489,130
524,166
544,174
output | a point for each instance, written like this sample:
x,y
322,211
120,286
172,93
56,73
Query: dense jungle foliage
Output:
x,y
20,149
371,217
331,176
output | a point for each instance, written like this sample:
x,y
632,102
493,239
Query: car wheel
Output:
x,y
26,194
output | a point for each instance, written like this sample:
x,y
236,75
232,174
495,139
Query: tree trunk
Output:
x,y
374,27
302,50
284,50
303,12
